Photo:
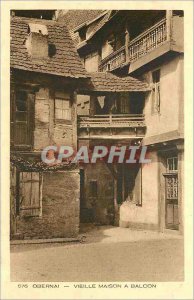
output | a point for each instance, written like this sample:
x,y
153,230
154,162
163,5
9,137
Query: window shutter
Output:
x,y
30,194
158,96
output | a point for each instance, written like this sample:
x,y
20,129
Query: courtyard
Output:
x,y
104,253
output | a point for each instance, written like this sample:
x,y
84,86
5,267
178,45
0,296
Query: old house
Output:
x,y
45,73
147,45
130,93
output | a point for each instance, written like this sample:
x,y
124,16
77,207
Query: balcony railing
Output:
x,y
113,61
147,41
111,121
152,38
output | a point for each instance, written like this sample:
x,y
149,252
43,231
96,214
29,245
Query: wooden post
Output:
x,y
110,118
92,105
74,118
127,40
169,24
41,187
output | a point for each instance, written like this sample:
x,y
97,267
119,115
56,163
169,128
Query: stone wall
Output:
x,y
60,208
101,206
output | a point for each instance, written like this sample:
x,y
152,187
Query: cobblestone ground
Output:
x,y
107,254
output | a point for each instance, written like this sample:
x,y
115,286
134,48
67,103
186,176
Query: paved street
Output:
x,y
107,254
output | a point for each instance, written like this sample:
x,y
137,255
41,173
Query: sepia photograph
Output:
x,y
94,92
97,155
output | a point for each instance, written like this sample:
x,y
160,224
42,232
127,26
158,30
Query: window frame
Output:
x,y
173,163
29,121
63,120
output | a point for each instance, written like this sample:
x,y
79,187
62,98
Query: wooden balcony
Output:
x,y
149,40
162,36
113,61
115,126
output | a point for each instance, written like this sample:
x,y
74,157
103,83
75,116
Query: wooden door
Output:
x,y
172,216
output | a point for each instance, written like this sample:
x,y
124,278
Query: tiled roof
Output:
x,y
101,22
107,82
74,18
65,62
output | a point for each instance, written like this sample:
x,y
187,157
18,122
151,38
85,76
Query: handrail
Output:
x,y
113,115
149,39
111,121
147,31
111,55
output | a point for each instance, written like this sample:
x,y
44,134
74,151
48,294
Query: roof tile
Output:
x,y
65,62
107,82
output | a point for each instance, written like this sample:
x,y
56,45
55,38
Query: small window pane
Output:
x,y
175,163
58,113
156,76
62,109
172,164
21,101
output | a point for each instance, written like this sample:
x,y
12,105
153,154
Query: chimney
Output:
x,y
37,41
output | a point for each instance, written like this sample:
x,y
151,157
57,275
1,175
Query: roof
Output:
x,y
65,61
74,18
108,82
101,22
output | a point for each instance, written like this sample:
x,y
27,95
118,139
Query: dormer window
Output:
x,y
37,41
82,34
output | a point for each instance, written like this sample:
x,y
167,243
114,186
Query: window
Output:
x,y
172,164
124,103
29,194
93,192
62,109
82,34
21,101
22,118
156,92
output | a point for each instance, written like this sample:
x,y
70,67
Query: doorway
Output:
x,y
171,194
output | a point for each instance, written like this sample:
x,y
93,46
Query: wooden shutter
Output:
x,y
30,194
158,96
156,91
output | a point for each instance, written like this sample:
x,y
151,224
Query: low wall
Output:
x,y
60,208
